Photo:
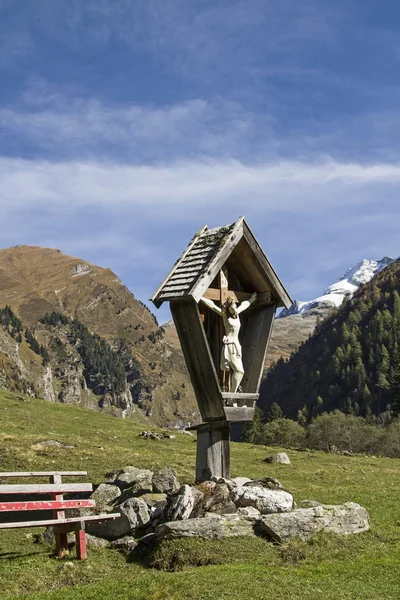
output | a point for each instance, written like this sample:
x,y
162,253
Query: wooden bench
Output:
x,y
56,490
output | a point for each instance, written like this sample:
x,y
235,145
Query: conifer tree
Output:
x,y
275,412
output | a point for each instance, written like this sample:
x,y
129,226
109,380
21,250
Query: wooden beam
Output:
x,y
214,294
68,528
218,262
240,396
243,413
61,541
247,269
52,522
213,452
239,399
255,343
46,488
43,473
80,544
265,298
208,426
198,358
223,285
46,505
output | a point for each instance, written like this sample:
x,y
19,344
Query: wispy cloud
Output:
x,y
49,123
76,184
313,219
57,125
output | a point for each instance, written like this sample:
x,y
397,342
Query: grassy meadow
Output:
x,y
365,566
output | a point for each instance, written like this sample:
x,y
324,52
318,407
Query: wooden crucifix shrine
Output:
x,y
223,294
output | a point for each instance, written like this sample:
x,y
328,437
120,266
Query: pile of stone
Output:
x,y
153,506
152,435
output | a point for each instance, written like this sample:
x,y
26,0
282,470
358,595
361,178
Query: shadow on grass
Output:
x,y
17,555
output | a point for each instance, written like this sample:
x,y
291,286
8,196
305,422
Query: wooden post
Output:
x,y
223,285
61,538
80,539
213,451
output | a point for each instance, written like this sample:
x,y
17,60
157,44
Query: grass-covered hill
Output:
x,y
361,567
351,362
95,311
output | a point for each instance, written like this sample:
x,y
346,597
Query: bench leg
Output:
x,y
61,545
80,538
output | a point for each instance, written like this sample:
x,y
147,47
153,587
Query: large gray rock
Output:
x,y
266,482
96,542
182,504
127,542
305,522
136,511
217,497
223,508
212,528
135,514
139,481
279,457
165,481
157,504
105,495
239,481
231,484
249,512
155,500
263,499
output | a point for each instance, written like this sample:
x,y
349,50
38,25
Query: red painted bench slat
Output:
x,y
46,505
50,522
44,474
46,488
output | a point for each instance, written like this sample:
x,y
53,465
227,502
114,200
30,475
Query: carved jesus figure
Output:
x,y
231,355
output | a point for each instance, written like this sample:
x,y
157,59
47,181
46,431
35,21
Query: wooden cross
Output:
x,y
222,293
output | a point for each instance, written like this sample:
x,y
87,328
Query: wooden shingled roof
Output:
x,y
204,257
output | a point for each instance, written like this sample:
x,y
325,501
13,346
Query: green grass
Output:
x,y
365,566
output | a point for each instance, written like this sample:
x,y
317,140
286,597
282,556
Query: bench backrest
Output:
x,y
55,489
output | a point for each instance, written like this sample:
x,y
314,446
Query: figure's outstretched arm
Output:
x,y
211,305
245,305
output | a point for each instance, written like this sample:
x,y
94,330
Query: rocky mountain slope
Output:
x,y
294,325
97,309
351,363
344,287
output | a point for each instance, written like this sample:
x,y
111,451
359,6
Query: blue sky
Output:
x,y
125,125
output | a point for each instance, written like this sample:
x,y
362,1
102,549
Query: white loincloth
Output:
x,y
231,357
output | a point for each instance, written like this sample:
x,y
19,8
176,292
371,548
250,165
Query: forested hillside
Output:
x,y
72,332
351,363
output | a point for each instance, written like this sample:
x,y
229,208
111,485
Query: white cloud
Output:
x,y
49,123
64,126
313,219
271,186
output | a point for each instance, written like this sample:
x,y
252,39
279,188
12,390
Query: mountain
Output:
x,y
344,287
294,325
105,348
288,334
351,362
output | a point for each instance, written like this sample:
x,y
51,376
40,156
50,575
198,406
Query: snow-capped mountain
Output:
x,y
346,285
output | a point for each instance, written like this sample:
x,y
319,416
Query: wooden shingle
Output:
x,y
204,257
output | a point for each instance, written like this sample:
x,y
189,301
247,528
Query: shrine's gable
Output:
x,y
233,246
